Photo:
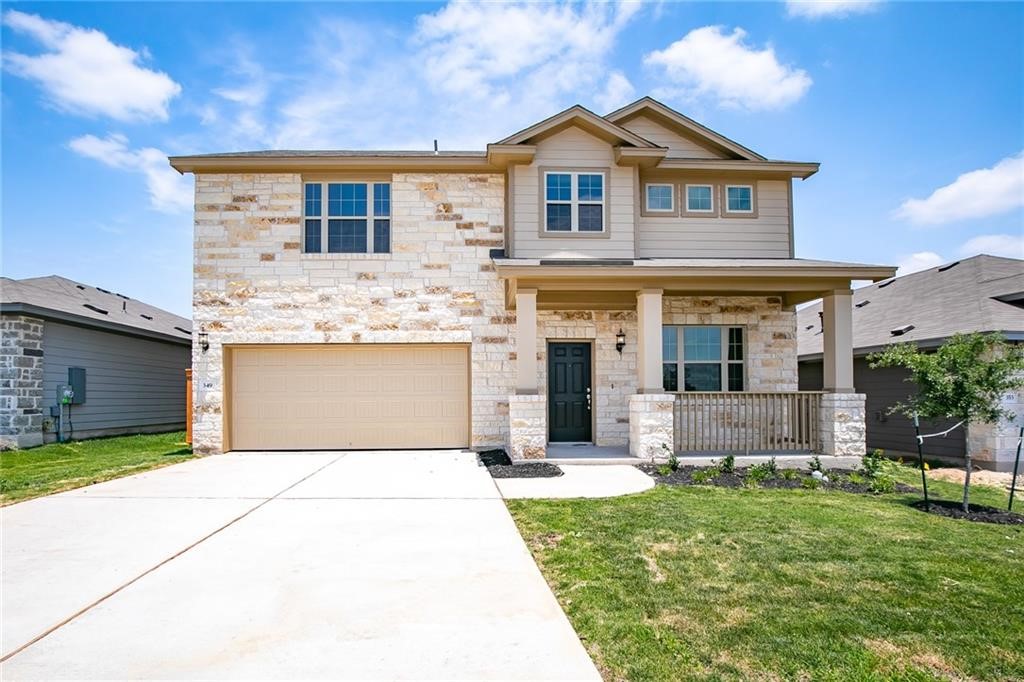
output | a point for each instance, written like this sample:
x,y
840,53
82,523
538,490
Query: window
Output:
x,y
358,217
699,199
574,202
702,358
739,198
661,198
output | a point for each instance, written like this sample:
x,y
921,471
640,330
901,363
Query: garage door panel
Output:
x,y
350,396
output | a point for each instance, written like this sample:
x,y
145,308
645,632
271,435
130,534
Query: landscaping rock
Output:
x,y
499,465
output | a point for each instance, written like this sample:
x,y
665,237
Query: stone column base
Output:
x,y
841,424
527,427
652,425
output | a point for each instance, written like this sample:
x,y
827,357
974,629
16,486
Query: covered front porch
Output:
x,y
687,356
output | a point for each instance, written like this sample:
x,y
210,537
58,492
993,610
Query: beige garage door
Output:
x,y
337,397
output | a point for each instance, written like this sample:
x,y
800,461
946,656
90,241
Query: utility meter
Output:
x,y
65,394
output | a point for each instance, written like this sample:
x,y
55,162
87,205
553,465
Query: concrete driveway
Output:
x,y
396,565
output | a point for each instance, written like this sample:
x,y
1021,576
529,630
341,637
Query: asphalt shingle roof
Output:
x,y
88,304
939,302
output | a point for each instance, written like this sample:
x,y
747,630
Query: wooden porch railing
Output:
x,y
742,422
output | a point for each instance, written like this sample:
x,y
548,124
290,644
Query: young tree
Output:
x,y
964,379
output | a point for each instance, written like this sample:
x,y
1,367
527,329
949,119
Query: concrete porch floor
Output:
x,y
588,453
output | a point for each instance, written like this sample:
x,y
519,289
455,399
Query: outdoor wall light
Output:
x,y
620,340
204,340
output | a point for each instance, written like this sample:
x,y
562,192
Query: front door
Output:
x,y
569,396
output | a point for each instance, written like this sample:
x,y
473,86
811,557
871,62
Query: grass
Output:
x,y
716,583
52,468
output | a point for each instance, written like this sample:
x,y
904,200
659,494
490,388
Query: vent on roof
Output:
x,y
184,331
145,316
79,286
861,304
947,267
1014,299
103,290
900,331
90,306
886,283
123,296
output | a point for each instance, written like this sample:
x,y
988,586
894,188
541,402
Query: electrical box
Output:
x,y
76,379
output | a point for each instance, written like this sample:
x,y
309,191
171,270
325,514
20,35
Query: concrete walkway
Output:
x,y
579,480
272,566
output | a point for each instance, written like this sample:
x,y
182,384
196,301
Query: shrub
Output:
x,y
790,474
855,477
883,483
772,467
664,470
816,464
673,462
811,483
728,464
705,475
761,472
872,463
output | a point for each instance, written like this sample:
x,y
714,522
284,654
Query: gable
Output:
x,y
679,146
579,117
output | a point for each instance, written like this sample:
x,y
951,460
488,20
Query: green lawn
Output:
x,y
52,468
714,583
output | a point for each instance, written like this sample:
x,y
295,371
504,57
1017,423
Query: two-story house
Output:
x,y
620,280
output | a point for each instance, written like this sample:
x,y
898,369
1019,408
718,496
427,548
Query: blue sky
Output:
x,y
915,110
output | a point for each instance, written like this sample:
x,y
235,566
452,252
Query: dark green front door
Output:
x,y
569,397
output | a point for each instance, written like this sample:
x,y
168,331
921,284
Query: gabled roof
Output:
x,y
62,299
983,294
584,118
681,124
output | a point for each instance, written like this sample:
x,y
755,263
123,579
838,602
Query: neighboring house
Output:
x,y
564,285
125,359
979,294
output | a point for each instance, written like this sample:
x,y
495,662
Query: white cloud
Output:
x,y
169,192
83,72
709,63
916,262
618,91
977,194
818,9
1007,245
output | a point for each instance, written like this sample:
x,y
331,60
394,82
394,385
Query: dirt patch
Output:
x,y
838,479
996,479
500,466
978,512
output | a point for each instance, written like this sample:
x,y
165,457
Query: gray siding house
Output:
x,y
126,361
983,294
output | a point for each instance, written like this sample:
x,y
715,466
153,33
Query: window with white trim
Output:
x,y
573,202
700,199
346,217
702,358
661,198
739,198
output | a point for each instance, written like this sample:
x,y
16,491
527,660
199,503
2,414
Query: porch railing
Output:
x,y
742,422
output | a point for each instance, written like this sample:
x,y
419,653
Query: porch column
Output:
x,y
648,360
526,342
837,325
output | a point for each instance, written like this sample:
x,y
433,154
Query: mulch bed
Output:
x,y
500,466
684,475
978,512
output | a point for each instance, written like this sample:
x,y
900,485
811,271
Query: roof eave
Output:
x,y
795,169
297,164
83,321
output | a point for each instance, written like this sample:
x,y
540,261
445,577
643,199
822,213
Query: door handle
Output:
x,y
588,400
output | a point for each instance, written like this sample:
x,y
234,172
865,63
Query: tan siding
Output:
x,y
766,236
678,146
572,148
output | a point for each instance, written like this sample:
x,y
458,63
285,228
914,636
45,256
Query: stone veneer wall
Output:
x,y
651,425
21,381
842,424
528,427
253,284
994,446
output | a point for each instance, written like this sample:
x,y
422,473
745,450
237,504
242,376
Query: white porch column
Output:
x,y
526,342
648,361
837,325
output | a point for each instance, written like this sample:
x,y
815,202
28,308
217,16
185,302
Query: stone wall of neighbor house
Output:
x,y
253,283
994,446
21,381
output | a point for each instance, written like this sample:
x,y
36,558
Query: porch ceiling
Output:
x,y
612,285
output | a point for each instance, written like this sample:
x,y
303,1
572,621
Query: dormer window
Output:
x,y
574,201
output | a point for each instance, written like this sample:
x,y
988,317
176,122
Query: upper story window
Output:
x,y
739,198
573,202
700,199
702,358
358,217
660,198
